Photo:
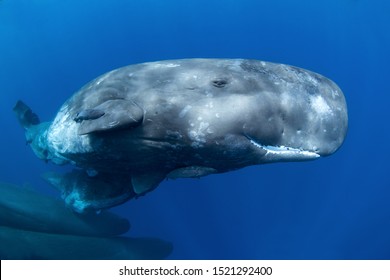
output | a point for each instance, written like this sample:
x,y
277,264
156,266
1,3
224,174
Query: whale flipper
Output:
x,y
88,114
110,115
25,115
143,183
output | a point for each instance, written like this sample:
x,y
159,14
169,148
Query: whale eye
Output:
x,y
219,83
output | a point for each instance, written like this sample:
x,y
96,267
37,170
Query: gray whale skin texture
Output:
x,y
131,128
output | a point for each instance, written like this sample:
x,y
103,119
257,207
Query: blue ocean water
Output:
x,y
333,208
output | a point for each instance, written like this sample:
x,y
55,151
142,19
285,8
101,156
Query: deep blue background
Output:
x,y
334,208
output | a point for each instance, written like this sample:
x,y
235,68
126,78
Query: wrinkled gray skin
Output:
x,y
135,126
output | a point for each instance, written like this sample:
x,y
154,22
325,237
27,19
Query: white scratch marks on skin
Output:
x,y
335,94
170,65
63,136
185,111
99,81
198,136
113,123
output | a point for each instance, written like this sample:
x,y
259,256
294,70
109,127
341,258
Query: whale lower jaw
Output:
x,y
283,153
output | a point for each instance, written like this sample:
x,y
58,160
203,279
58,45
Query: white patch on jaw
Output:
x,y
319,105
283,152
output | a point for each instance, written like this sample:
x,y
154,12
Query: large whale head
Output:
x,y
233,113
284,112
134,126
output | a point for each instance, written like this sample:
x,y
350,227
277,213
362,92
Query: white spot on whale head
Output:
x,y
319,105
209,105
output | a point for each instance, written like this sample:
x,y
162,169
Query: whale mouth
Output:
x,y
274,153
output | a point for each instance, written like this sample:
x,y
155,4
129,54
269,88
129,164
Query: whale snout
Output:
x,y
302,121
327,119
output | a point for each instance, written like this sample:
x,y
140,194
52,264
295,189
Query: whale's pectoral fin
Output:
x,y
110,115
143,183
88,114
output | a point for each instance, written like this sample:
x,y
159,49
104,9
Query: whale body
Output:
x,y
131,128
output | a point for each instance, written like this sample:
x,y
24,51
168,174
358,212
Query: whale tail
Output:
x,y
25,115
